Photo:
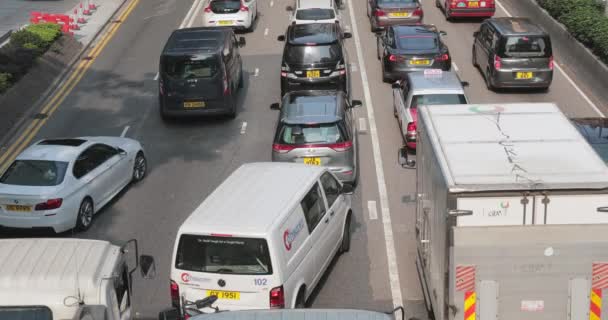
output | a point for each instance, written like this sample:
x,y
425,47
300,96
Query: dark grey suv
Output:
x,y
317,127
513,53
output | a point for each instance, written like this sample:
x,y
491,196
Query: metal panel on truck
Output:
x,y
495,211
571,209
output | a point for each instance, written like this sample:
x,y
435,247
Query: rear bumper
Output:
x,y
238,24
506,79
174,107
397,72
483,12
410,142
60,222
345,174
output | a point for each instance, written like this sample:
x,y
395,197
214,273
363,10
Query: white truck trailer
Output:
x,y
512,214
58,278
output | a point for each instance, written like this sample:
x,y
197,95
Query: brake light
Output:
x,y
443,57
277,298
379,13
243,7
551,63
161,87
411,128
497,62
395,58
208,9
341,146
453,3
418,12
174,294
282,148
49,204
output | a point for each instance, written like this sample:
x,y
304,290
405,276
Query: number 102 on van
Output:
x,y
259,282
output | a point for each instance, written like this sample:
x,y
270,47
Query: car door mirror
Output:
x,y
356,103
242,42
464,83
475,34
443,33
288,8
169,314
147,266
281,38
347,35
121,152
404,160
348,188
396,85
275,106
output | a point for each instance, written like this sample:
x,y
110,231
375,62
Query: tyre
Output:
x,y
241,80
378,48
85,215
301,300
140,167
437,4
474,58
232,113
488,79
446,11
345,247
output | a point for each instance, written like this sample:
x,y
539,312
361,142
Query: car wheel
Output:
x,y
232,113
346,237
446,11
488,79
140,167
437,4
384,77
85,215
474,58
378,48
241,81
300,300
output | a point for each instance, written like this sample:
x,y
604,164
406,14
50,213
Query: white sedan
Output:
x,y
238,14
315,11
62,183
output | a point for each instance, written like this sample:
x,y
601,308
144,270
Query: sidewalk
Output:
x,y
16,13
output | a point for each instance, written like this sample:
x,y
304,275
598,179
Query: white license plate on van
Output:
x,y
227,295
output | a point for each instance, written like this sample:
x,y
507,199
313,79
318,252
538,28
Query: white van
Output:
x,y
263,238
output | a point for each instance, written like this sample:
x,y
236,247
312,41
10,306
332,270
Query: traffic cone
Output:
x,y
85,10
73,24
92,6
81,19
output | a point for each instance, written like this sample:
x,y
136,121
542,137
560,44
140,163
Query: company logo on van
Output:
x,y
290,235
487,110
186,277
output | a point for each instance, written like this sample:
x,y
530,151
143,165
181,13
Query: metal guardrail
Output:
x,y
5,37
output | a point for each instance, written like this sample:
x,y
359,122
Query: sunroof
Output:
x,y
62,142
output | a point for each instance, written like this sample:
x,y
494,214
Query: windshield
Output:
x,y
433,99
315,14
25,313
296,134
223,255
225,5
519,46
417,42
189,67
38,173
312,54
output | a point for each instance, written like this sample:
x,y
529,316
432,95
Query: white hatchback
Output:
x,y
238,14
315,11
62,183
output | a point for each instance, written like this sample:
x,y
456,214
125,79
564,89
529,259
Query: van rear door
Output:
x,y
194,76
236,269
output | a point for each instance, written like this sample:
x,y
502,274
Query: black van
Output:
x,y
513,53
200,72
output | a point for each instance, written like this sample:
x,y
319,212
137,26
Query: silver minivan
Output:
x,y
316,127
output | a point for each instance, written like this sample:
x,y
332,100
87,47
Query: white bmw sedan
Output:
x,y
238,14
62,183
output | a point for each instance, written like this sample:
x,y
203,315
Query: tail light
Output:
x,y
175,294
379,13
551,63
49,204
244,8
341,147
443,57
161,87
453,4
497,62
395,58
226,87
208,9
411,129
282,148
277,297
417,12
341,68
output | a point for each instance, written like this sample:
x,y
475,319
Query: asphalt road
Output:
x,y
188,159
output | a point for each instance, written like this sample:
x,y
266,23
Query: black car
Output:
x,y
383,13
404,49
200,72
314,57
595,131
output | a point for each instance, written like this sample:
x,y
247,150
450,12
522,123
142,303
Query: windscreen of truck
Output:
x,y
25,313
223,254
434,99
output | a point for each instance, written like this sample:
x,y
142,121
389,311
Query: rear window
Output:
x,y
433,99
313,54
296,134
225,5
223,255
37,173
315,14
417,42
524,46
25,313
191,67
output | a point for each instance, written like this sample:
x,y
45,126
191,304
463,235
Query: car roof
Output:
x,y
448,80
516,26
594,129
255,197
307,4
415,29
313,107
296,314
315,33
199,40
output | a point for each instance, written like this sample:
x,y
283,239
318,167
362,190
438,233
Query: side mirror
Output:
x,y
148,267
396,85
275,106
242,41
348,188
289,8
404,160
443,33
464,83
356,103
348,35
475,34
121,152
169,314
281,38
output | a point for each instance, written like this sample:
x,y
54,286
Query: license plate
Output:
x,y
473,4
13,207
420,62
225,22
524,75
313,73
227,295
313,161
194,104
399,14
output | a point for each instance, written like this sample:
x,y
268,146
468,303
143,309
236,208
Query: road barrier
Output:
x,y
62,19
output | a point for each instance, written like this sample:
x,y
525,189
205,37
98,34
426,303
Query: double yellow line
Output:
x,y
64,90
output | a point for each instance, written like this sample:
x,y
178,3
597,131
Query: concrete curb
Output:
x,y
35,108
570,52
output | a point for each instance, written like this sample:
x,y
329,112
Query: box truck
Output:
x,y
511,215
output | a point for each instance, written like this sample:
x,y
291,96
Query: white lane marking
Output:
x,y
393,271
256,72
362,125
371,208
576,87
190,12
156,77
353,67
243,127
124,132
271,3
195,14
455,66
266,32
